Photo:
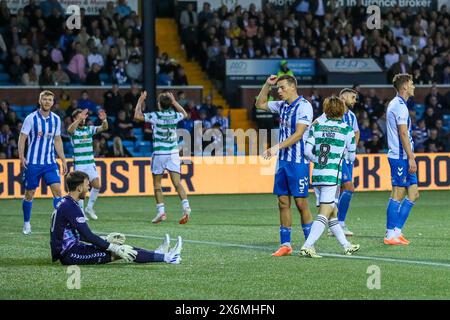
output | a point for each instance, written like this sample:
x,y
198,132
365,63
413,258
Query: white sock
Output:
x,y
397,232
185,204
27,224
342,223
318,227
81,204
390,234
160,208
93,197
336,229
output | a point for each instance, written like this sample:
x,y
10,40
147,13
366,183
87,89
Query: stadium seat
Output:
x,y
105,78
128,144
2,67
420,109
446,120
4,78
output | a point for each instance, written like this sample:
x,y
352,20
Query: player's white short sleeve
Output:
x,y
150,117
305,113
27,125
401,114
58,126
180,116
275,106
92,130
355,123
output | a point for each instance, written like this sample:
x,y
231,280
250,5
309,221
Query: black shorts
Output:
x,y
82,253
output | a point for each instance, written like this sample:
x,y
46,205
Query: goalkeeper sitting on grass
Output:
x,y
69,228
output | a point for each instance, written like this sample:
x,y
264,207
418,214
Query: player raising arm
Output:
x,y
72,241
165,149
326,145
42,129
83,153
401,160
292,173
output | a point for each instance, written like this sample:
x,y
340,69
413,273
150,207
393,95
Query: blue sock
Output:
x,y
344,203
306,229
403,213
26,208
56,202
145,256
285,235
392,214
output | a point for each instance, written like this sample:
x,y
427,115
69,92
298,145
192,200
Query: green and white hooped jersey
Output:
x,y
165,139
330,140
83,151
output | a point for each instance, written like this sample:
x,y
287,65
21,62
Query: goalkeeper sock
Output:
x,y
336,229
56,201
307,229
93,197
344,203
285,236
160,208
392,217
81,204
403,212
316,230
146,256
26,208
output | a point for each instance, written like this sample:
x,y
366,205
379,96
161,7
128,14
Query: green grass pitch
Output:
x,y
227,253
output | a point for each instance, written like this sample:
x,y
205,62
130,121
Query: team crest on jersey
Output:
x,y
81,219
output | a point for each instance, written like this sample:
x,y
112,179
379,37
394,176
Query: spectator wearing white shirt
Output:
x,y
358,39
95,57
391,57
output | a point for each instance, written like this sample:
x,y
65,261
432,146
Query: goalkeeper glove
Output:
x,y
115,237
124,251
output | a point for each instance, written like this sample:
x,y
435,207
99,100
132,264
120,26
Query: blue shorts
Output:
x,y
35,172
291,179
82,253
347,172
400,177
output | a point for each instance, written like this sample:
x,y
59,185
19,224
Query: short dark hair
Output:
x,y
74,179
347,90
290,79
400,79
76,113
164,101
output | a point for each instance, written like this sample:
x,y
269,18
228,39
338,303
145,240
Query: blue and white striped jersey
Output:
x,y
397,113
300,111
41,134
348,118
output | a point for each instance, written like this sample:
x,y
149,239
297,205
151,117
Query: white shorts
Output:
x,y
327,195
169,162
90,170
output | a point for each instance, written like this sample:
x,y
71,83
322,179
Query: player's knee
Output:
x,y
414,197
283,204
29,195
302,204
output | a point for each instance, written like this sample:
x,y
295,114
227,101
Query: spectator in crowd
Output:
x,y
123,127
113,101
59,77
189,23
77,66
46,78
93,76
430,117
434,143
135,68
208,107
117,149
85,103
220,119
420,135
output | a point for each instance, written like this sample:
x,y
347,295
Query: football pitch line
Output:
x,y
270,249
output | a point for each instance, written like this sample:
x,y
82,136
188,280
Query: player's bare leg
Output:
x,y
161,213
26,206
93,194
306,217
176,181
284,206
